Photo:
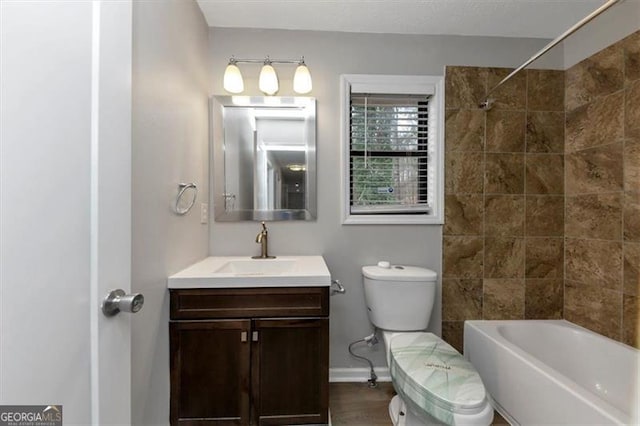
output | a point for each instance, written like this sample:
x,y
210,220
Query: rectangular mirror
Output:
x,y
263,157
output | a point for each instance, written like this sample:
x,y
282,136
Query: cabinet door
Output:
x,y
210,372
290,371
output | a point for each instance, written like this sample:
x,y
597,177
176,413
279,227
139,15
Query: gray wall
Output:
x,y
170,145
616,23
347,248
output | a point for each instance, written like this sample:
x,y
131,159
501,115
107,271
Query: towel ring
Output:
x,y
183,188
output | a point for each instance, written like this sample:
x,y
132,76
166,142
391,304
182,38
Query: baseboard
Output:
x,y
337,375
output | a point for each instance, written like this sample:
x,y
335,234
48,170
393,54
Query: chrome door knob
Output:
x,y
118,301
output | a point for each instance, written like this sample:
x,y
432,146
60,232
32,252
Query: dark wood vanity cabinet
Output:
x,y
249,356
209,372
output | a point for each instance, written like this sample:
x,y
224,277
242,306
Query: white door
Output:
x,y
65,208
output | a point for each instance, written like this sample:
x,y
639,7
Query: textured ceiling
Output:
x,y
501,18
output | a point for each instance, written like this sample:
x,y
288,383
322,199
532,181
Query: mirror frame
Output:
x,y
217,104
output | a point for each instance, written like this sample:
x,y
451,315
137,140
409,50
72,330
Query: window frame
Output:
x,y
401,85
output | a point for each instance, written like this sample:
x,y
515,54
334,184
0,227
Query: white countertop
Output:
x,y
300,271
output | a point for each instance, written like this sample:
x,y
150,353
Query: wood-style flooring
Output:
x,y
356,404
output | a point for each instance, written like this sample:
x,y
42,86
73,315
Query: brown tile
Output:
x,y
544,173
631,159
593,307
504,258
465,87
544,215
464,130
544,258
632,107
505,131
545,90
512,94
631,48
543,299
463,257
463,214
596,123
594,262
632,216
545,132
464,172
594,170
453,334
631,269
594,216
503,299
631,321
504,174
461,299
594,77
504,215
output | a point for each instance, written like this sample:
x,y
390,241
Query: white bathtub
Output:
x,y
554,372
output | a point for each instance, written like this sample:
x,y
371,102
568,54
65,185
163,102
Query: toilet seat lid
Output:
x,y
434,375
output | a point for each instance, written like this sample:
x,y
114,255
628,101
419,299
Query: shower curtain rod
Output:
x,y
487,102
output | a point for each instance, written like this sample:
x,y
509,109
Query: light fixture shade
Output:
x,y
268,81
233,79
302,79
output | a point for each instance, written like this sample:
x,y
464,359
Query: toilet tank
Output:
x,y
398,297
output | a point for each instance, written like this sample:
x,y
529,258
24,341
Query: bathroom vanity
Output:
x,y
248,348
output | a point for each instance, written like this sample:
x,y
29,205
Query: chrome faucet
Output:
x,y
263,239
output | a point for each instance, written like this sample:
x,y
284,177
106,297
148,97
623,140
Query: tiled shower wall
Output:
x,y
602,205
504,195
539,223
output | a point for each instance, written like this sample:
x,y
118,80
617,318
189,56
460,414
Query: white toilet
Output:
x,y
435,384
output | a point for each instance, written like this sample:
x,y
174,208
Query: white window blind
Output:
x,y
389,154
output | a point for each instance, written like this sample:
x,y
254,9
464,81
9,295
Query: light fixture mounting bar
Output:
x,y
267,59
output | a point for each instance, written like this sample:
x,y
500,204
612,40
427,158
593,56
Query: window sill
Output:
x,y
392,220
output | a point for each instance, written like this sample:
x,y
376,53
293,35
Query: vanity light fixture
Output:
x,y
302,78
233,82
268,80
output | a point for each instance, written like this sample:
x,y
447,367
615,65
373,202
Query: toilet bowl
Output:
x,y
434,382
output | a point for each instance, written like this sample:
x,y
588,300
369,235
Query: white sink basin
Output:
x,y
257,267
237,272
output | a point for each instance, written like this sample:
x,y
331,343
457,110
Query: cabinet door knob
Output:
x,y
243,336
254,336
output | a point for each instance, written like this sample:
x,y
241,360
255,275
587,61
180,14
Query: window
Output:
x,y
392,131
